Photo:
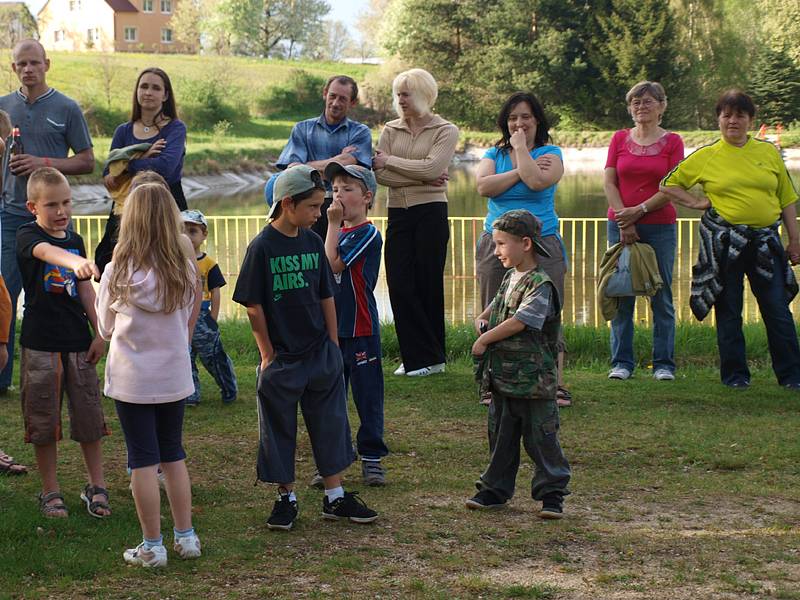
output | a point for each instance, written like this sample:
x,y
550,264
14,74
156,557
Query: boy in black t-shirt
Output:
x,y
287,286
58,352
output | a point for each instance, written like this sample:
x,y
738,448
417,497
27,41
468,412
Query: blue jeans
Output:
x,y
663,239
772,303
364,374
207,344
9,223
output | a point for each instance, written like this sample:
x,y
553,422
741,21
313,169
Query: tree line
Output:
x,y
579,56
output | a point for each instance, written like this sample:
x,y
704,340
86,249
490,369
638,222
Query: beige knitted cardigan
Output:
x,y
414,161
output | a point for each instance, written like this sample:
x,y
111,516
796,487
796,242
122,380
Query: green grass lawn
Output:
x,y
681,489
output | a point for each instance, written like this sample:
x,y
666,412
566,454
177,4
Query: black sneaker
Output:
x,y
349,506
485,500
284,512
552,507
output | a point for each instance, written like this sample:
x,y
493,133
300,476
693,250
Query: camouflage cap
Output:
x,y
194,216
523,223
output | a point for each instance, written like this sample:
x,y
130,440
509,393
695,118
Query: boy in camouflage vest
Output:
x,y
517,354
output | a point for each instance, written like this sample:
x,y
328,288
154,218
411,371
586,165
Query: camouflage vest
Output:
x,y
524,365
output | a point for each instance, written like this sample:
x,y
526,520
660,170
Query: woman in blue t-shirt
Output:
x,y
521,171
154,120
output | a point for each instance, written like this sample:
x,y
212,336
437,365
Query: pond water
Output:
x,y
580,203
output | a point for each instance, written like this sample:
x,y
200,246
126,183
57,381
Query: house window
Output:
x,y
130,34
92,35
166,6
147,6
74,4
166,36
59,35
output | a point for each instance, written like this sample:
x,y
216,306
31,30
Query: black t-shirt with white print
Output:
x,y
288,277
53,319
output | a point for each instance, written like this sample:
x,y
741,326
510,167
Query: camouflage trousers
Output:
x,y
536,423
207,346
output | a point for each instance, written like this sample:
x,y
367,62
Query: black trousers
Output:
x,y
415,254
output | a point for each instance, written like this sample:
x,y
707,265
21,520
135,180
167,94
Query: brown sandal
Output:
x,y
50,510
92,506
8,466
563,397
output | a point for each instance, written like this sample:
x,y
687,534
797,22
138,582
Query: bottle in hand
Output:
x,y
16,143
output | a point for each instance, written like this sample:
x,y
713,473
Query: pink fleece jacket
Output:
x,y
148,360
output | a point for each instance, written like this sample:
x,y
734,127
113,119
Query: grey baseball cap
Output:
x,y
523,223
357,171
293,181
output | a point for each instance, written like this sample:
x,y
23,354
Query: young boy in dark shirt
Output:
x,y
287,286
58,352
518,348
354,253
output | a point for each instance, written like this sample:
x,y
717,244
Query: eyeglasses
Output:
x,y
647,103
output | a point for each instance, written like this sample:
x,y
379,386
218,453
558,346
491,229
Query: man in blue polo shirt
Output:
x,y
50,125
331,137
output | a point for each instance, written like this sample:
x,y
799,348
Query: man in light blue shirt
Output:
x,y
331,137
50,124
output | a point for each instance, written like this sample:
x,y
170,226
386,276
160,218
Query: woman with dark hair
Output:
x,y
749,196
154,120
638,159
521,171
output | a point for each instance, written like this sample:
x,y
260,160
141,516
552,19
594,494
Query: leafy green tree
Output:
x,y
16,23
536,46
775,86
482,51
716,41
260,27
333,42
780,20
634,41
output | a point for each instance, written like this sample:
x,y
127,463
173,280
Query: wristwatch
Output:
x,y
643,206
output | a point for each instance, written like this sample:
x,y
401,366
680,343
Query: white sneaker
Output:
x,y
425,371
619,373
155,557
187,546
663,375
401,370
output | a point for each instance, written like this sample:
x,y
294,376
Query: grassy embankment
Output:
x,y
103,86
681,490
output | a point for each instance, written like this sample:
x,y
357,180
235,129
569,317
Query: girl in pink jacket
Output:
x,y
148,301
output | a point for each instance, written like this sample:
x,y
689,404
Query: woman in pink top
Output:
x,y
638,158
148,302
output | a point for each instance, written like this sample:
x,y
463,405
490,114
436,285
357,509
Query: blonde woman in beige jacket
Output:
x,y
413,155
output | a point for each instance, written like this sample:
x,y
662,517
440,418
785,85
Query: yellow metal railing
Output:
x,y
584,239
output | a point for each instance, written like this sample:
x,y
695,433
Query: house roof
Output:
x,y
116,6
122,6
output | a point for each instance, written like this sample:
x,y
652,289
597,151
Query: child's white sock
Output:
x,y
179,533
292,497
334,494
149,544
